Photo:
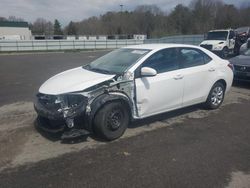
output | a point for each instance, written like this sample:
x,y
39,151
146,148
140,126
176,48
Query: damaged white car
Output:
x,y
131,83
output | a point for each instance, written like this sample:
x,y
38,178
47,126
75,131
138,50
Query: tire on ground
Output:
x,y
225,52
210,103
111,121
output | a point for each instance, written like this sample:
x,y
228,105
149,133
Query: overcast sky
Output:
x,y
76,10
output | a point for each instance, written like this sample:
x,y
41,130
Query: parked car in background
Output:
x,y
245,46
241,64
220,42
130,83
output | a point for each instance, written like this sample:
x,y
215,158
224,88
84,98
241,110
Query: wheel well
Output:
x,y
223,82
111,101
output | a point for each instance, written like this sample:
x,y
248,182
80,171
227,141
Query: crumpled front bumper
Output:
x,y
54,121
47,113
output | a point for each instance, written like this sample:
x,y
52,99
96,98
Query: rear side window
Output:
x,y
191,57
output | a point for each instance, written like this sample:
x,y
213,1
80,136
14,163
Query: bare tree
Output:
x,y
15,19
42,27
3,19
197,18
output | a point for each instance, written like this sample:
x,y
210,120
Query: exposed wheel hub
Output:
x,y
115,119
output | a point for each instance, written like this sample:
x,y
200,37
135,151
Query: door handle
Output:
x,y
211,69
178,77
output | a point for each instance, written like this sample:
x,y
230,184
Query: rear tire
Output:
x,y
111,121
216,96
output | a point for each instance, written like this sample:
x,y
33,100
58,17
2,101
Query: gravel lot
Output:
x,y
191,147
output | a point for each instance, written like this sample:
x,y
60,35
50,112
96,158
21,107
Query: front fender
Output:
x,y
105,98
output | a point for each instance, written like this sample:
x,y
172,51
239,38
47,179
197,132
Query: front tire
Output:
x,y
216,96
225,53
111,121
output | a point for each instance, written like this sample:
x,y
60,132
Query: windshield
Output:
x,y
117,61
217,35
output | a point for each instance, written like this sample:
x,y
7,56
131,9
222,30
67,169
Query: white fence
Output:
x,y
50,45
181,39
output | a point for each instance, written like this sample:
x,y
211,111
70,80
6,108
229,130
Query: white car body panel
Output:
x,y
72,80
196,82
158,93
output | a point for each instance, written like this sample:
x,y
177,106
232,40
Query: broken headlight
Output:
x,y
74,100
68,104
49,102
72,104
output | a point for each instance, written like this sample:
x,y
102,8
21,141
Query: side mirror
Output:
x,y
147,71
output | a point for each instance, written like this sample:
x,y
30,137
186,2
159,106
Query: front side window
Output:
x,y
163,60
193,57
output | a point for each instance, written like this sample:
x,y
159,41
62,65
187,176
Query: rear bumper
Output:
x,y
246,79
242,76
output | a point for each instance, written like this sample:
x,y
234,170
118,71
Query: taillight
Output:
x,y
231,66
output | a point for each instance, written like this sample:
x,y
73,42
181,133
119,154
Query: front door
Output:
x,y
164,91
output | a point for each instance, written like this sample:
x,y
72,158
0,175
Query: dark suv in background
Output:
x,y
241,63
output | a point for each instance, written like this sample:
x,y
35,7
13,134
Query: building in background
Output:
x,y
140,37
14,31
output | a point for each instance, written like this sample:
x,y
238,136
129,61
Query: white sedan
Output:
x,y
130,83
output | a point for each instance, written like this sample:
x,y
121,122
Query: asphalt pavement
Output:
x,y
186,148
21,75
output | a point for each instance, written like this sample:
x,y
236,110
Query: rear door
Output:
x,y
198,72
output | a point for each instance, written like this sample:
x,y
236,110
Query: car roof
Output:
x,y
245,27
158,46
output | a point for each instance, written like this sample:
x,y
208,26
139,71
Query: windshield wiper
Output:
x,y
88,67
101,71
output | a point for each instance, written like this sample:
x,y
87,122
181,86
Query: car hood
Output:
x,y
73,80
240,60
212,42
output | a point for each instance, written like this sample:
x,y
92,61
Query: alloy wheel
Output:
x,y
217,96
